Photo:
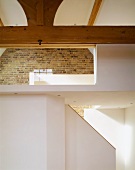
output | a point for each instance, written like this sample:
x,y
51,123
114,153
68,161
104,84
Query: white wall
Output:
x,y
23,124
61,79
32,137
85,148
115,67
55,133
130,138
32,132
110,124
0,138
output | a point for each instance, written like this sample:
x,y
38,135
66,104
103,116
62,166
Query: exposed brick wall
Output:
x,y
80,109
15,64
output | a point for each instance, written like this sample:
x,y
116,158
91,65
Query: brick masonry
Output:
x,y
15,64
80,109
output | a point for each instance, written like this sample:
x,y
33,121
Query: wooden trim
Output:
x,y
63,35
94,12
47,46
1,23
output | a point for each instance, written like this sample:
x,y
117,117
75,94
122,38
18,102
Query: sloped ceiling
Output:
x,y
116,12
11,13
77,12
74,12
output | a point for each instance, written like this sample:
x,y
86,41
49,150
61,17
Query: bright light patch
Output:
x,y
96,106
128,143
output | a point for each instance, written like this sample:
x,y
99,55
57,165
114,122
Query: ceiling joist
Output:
x,y
94,12
65,35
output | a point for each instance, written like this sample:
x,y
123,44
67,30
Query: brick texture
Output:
x,y
80,109
15,64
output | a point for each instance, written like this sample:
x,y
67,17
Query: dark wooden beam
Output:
x,y
29,8
50,10
94,12
63,35
40,12
1,23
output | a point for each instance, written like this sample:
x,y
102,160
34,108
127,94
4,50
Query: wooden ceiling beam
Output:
x,y
94,12
40,12
30,11
63,35
50,10
1,23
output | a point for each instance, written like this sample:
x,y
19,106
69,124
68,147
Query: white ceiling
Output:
x,y
74,12
104,99
116,12
12,13
112,12
107,99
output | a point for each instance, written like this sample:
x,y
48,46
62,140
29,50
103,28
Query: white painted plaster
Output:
x,y
61,79
110,124
23,132
130,138
85,148
11,13
55,133
32,132
116,12
73,12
